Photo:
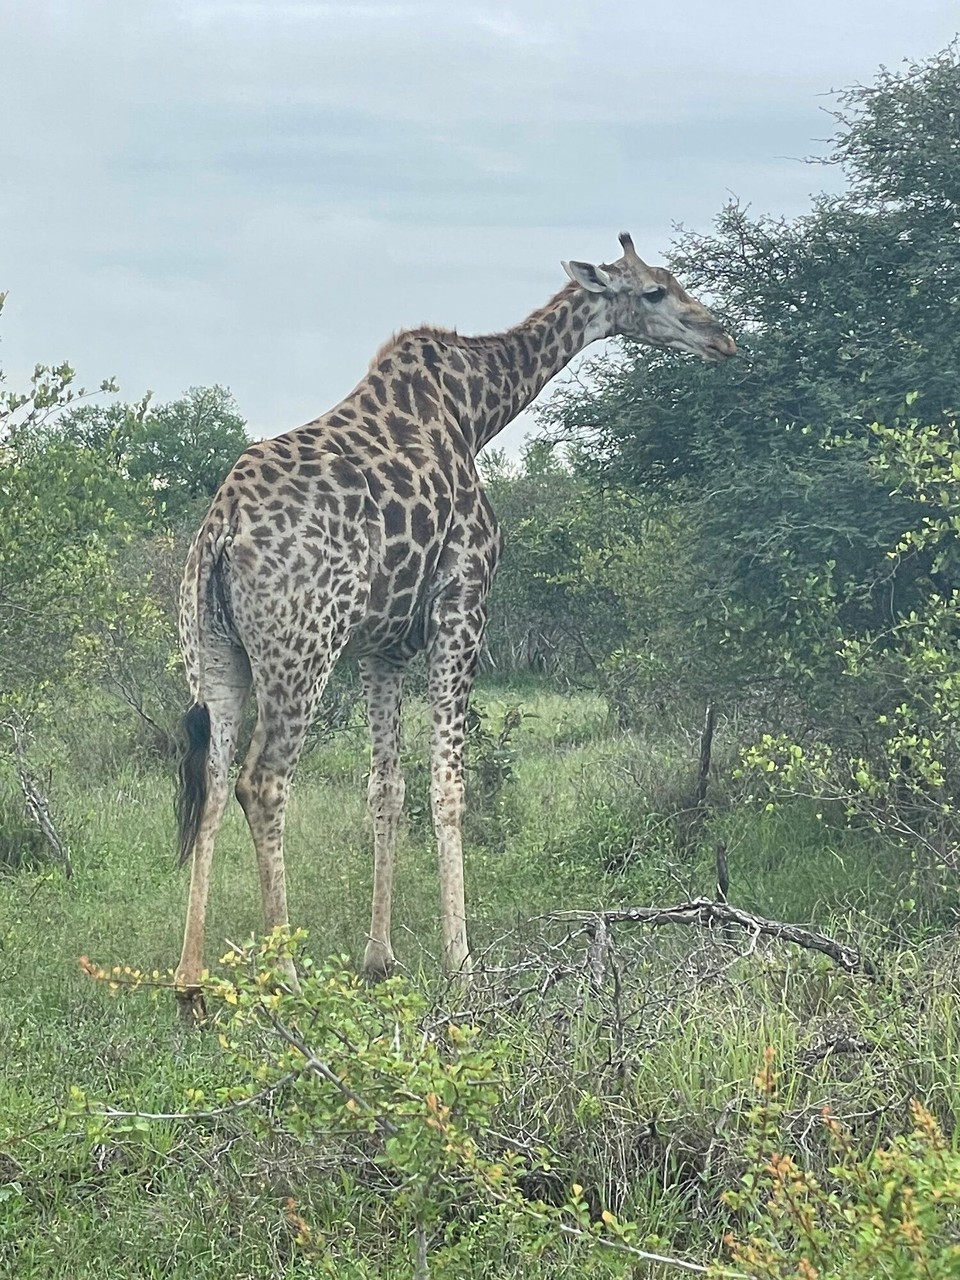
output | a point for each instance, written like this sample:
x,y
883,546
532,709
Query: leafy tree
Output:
x,y
901,771
81,485
552,610
168,459
92,497
841,315
57,531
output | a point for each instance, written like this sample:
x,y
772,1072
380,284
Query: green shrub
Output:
x,y
490,754
402,1105
893,1212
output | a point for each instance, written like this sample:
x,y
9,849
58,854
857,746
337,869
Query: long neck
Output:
x,y
487,381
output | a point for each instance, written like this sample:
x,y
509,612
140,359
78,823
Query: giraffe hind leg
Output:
x,y
212,725
285,711
451,663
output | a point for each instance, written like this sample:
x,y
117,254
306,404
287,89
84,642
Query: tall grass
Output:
x,y
638,1088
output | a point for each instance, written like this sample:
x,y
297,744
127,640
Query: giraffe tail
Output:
x,y
198,593
192,791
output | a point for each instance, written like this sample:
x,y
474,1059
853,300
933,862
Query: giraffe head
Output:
x,y
648,305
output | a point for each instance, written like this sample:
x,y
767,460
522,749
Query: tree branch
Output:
x,y
707,914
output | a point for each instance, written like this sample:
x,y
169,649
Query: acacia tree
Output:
x,y
841,316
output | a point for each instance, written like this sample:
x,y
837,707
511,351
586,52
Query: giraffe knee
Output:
x,y
447,797
244,791
385,793
258,791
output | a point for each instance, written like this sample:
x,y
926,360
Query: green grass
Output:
x,y
639,1088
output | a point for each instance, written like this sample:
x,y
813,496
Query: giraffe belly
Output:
x,y
386,638
396,629
400,590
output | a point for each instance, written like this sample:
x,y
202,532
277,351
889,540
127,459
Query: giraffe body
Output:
x,y
368,530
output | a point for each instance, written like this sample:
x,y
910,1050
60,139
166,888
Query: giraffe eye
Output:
x,y
655,295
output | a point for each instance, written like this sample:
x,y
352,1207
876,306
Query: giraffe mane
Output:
x,y
400,336
451,337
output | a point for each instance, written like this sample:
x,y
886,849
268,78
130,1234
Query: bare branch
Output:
x,y
214,1113
706,750
38,806
707,914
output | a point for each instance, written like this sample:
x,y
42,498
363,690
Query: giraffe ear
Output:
x,y
587,276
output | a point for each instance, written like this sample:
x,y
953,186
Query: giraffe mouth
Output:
x,y
714,351
721,348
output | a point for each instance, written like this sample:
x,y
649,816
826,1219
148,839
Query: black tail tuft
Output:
x,y
192,792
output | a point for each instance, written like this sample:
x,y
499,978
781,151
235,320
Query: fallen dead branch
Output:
x,y
709,915
35,802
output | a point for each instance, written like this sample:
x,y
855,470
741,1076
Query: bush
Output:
x,y
402,1108
893,1212
490,753
895,765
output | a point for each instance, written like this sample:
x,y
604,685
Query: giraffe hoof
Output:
x,y
191,1005
378,962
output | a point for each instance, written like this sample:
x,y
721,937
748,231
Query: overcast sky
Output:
x,y
258,194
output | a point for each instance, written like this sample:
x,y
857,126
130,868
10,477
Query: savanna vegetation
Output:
x,y
722,677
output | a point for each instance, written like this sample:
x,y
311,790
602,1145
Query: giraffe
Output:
x,y
367,531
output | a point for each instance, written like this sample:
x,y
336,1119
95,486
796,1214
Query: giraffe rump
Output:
x,y
192,791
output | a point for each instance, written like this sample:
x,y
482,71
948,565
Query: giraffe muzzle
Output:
x,y
720,348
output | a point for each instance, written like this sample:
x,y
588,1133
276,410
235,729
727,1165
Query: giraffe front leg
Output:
x,y
383,688
447,797
451,666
